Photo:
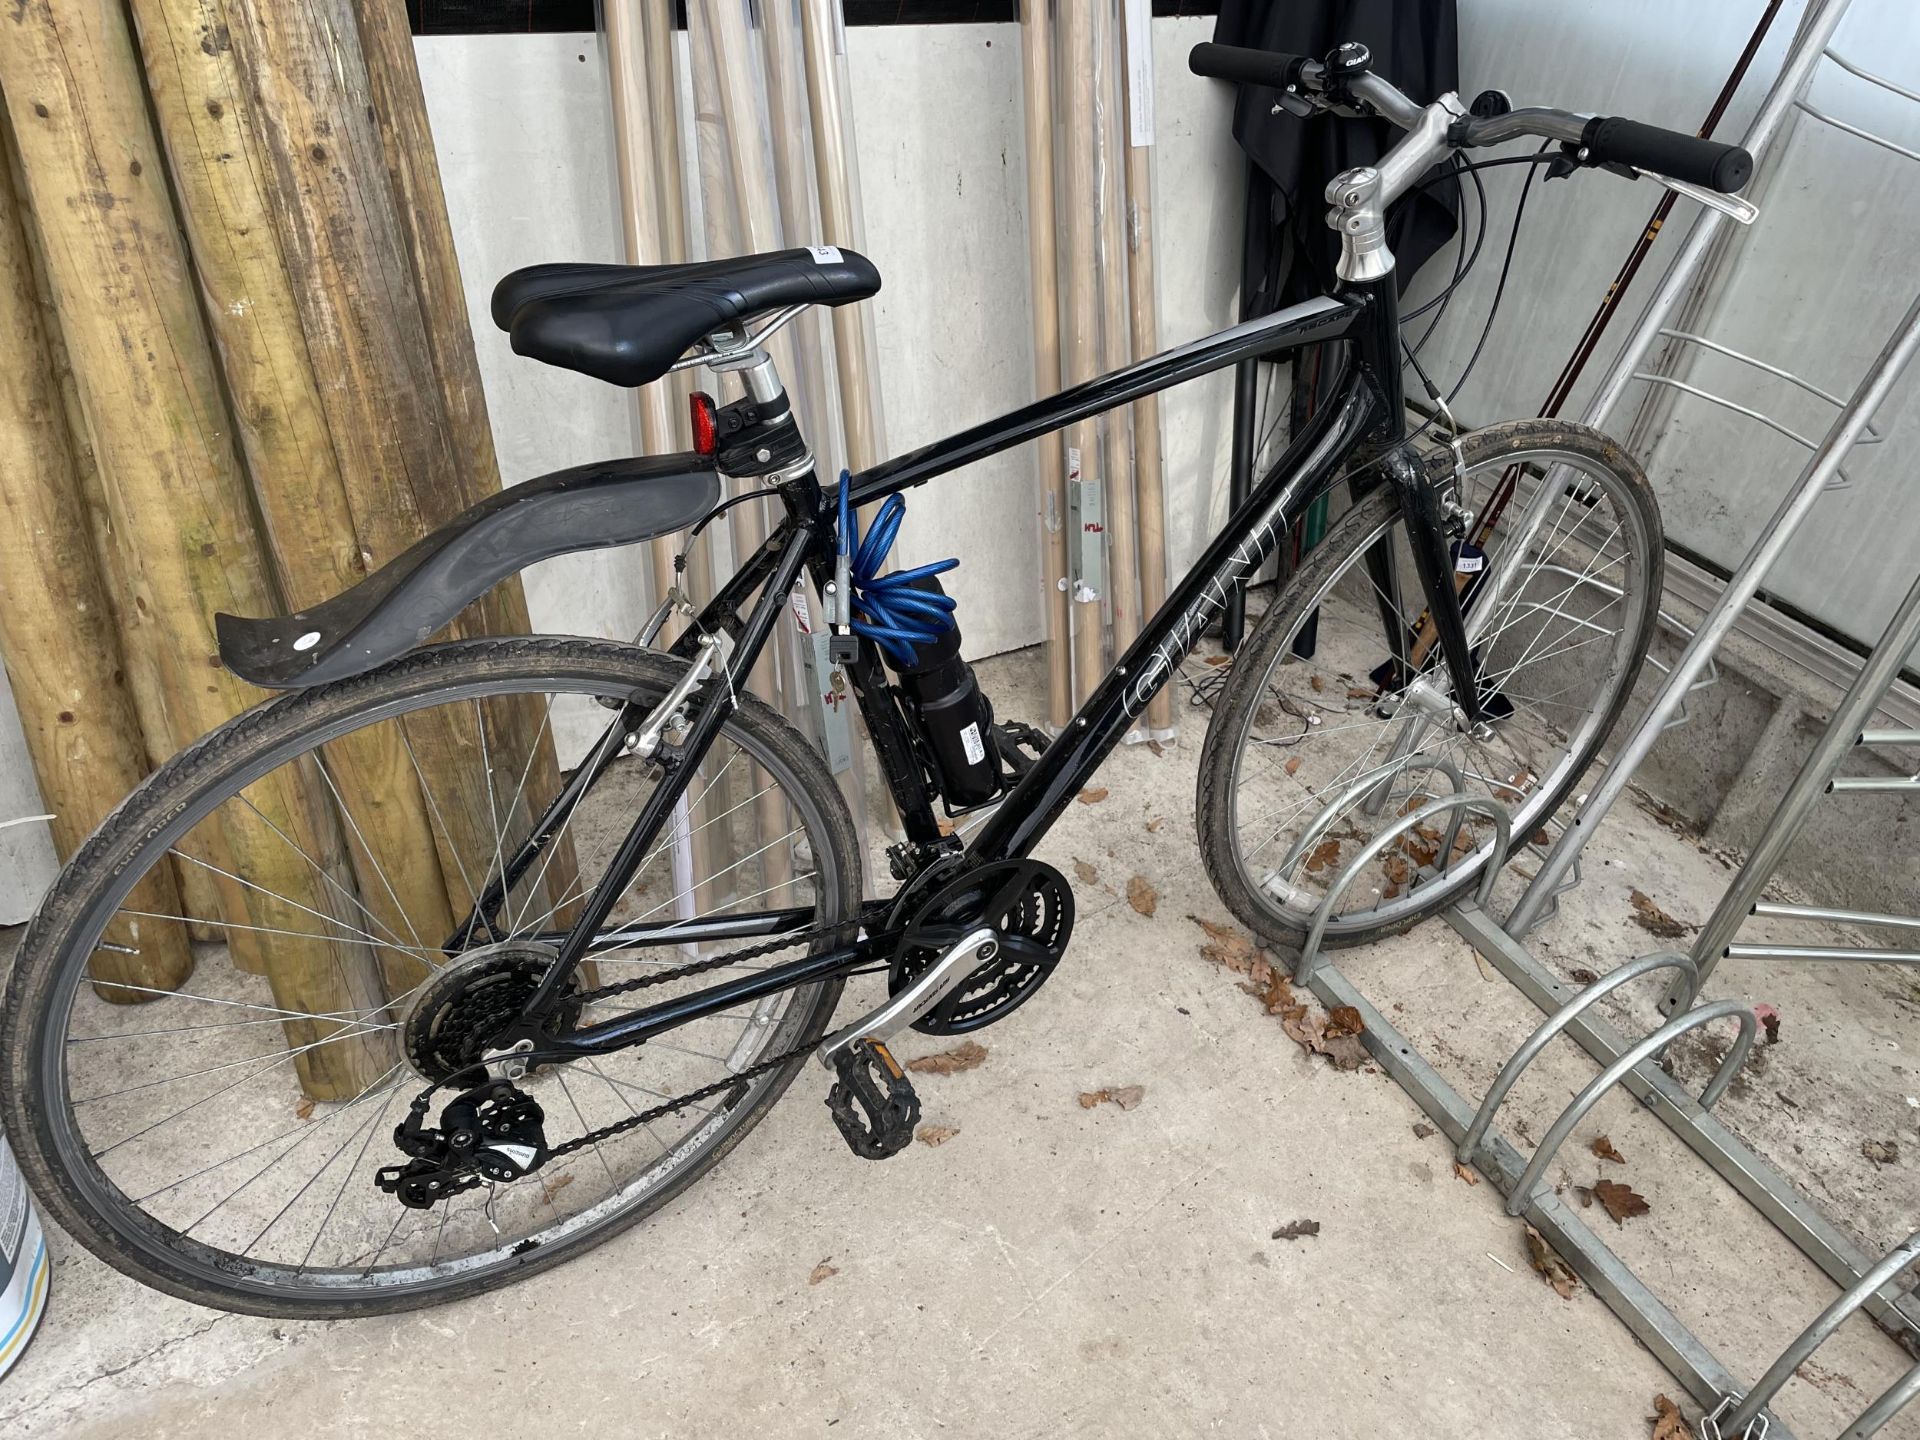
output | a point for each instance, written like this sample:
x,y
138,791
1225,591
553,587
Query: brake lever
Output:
x,y
1741,212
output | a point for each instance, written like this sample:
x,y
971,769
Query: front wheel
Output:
x,y
1320,744
216,1134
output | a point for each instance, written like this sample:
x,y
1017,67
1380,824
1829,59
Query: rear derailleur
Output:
x,y
490,1134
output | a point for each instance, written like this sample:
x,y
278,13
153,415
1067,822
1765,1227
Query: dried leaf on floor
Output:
x,y
1603,1147
1153,825
1769,1019
1583,975
1326,853
552,1187
1652,919
965,1056
1142,896
1156,747
1552,1269
1347,1052
1421,1130
1317,683
1363,692
822,1271
1086,873
1226,946
1880,1152
1127,1097
1619,1200
1584,1194
1297,1230
1397,870
1217,660
936,1134
1292,767
1466,1173
1091,797
1344,1020
305,1108
1668,1422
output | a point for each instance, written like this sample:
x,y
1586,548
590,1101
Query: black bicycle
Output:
x,y
563,1013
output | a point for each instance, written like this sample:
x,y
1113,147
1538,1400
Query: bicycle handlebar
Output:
x,y
1615,139
1246,66
1601,140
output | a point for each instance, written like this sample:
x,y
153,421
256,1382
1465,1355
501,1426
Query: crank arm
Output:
x,y
939,981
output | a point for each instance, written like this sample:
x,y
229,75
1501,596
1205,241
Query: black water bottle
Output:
x,y
953,717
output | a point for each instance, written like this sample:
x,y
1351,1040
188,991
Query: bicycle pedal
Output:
x,y
872,1102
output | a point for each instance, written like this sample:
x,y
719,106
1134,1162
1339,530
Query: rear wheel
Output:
x,y
1317,748
219,1140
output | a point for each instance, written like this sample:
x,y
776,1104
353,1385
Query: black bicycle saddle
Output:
x,y
627,324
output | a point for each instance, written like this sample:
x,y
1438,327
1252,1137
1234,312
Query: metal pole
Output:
x,y
1246,382
1116,338
1822,20
640,207
1036,61
1086,494
1811,1338
1842,732
1774,535
1150,515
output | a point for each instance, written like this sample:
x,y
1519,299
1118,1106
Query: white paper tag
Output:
x,y
970,741
825,254
1467,564
1073,462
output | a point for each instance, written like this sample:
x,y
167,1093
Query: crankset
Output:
x,y
1030,906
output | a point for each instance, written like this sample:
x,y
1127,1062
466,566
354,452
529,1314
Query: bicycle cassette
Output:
x,y
1031,906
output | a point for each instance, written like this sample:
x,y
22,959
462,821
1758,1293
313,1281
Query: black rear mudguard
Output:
x,y
589,507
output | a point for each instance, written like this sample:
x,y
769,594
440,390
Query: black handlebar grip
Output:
x,y
1245,66
1612,139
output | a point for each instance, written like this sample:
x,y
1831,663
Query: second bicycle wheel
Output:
x,y
1320,744
215,1132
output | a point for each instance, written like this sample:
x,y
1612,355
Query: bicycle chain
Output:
x,y
718,1087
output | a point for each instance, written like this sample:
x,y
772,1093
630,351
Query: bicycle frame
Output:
x,y
1365,418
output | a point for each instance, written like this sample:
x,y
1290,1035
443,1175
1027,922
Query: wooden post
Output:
x,y
56,630
413,168
1123,586
227,204
1043,264
405,452
139,652
1151,507
151,393
1082,358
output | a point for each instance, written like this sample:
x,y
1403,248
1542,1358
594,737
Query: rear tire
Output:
x,y
49,987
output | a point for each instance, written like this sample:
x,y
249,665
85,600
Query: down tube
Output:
x,y
1249,539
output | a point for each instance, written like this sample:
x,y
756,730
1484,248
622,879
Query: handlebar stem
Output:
x,y
1359,197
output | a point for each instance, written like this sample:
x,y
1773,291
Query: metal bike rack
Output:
x,y
1870,1286
1741,1417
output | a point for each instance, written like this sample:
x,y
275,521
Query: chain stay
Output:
x,y
678,1102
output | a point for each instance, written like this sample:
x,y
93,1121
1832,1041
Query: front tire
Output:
x,y
1300,729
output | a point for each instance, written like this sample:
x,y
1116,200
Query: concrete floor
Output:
x,y
1056,1270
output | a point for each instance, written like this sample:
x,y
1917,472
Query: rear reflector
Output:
x,y
706,437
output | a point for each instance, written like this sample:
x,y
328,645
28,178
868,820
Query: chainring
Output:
x,y
470,1001
1034,918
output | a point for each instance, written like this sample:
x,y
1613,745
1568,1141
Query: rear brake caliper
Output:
x,y
492,1133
